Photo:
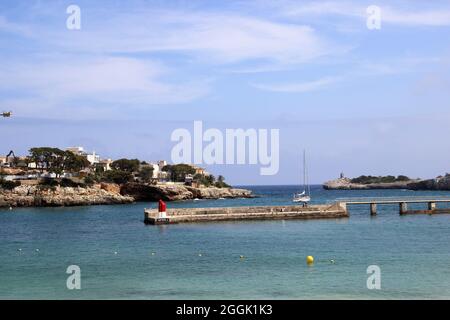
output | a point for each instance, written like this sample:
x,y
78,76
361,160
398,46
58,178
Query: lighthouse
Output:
x,y
162,209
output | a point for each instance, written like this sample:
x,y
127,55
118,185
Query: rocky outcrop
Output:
x,y
346,184
12,171
440,183
144,192
110,187
37,196
109,193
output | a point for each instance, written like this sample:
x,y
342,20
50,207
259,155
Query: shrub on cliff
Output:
x,y
48,182
9,185
70,183
380,179
221,182
117,176
89,181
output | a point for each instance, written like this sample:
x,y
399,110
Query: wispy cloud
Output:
x,y
14,28
97,81
396,15
361,69
212,37
435,18
297,87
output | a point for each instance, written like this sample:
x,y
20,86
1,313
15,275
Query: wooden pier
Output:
x,y
401,202
333,211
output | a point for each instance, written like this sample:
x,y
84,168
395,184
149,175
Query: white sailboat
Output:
x,y
305,196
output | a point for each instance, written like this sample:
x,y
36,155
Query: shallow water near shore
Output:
x,y
122,258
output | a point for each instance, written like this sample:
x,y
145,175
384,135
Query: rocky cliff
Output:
x,y
109,193
440,183
142,192
37,196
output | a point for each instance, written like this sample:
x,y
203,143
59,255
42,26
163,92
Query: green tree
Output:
x,y
42,156
99,169
211,179
73,162
117,176
146,173
221,182
51,159
126,165
57,161
178,171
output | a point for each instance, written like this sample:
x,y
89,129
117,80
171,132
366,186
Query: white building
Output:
x,y
162,164
93,158
106,164
156,170
158,174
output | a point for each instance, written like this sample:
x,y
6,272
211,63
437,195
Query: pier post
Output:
x,y
373,209
403,207
431,206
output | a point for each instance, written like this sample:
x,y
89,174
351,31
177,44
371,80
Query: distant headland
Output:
x,y
388,182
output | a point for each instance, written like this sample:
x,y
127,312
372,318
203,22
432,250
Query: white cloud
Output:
x,y
432,18
97,81
391,15
15,28
297,87
212,37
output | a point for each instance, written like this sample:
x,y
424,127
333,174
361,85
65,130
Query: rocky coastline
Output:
x,y
109,193
441,183
176,192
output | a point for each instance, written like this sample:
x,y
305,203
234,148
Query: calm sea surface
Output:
x,y
113,248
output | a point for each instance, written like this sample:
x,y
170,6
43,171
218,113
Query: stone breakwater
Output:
x,y
36,196
143,192
109,193
439,183
334,211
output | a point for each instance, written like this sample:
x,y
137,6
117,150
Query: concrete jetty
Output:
x,y
402,203
333,211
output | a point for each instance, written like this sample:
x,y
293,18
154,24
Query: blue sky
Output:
x,y
360,101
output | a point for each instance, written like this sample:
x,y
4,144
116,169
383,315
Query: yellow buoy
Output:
x,y
309,259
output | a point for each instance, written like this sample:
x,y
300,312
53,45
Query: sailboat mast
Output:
x,y
306,178
304,170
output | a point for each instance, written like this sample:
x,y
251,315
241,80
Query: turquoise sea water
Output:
x,y
113,248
